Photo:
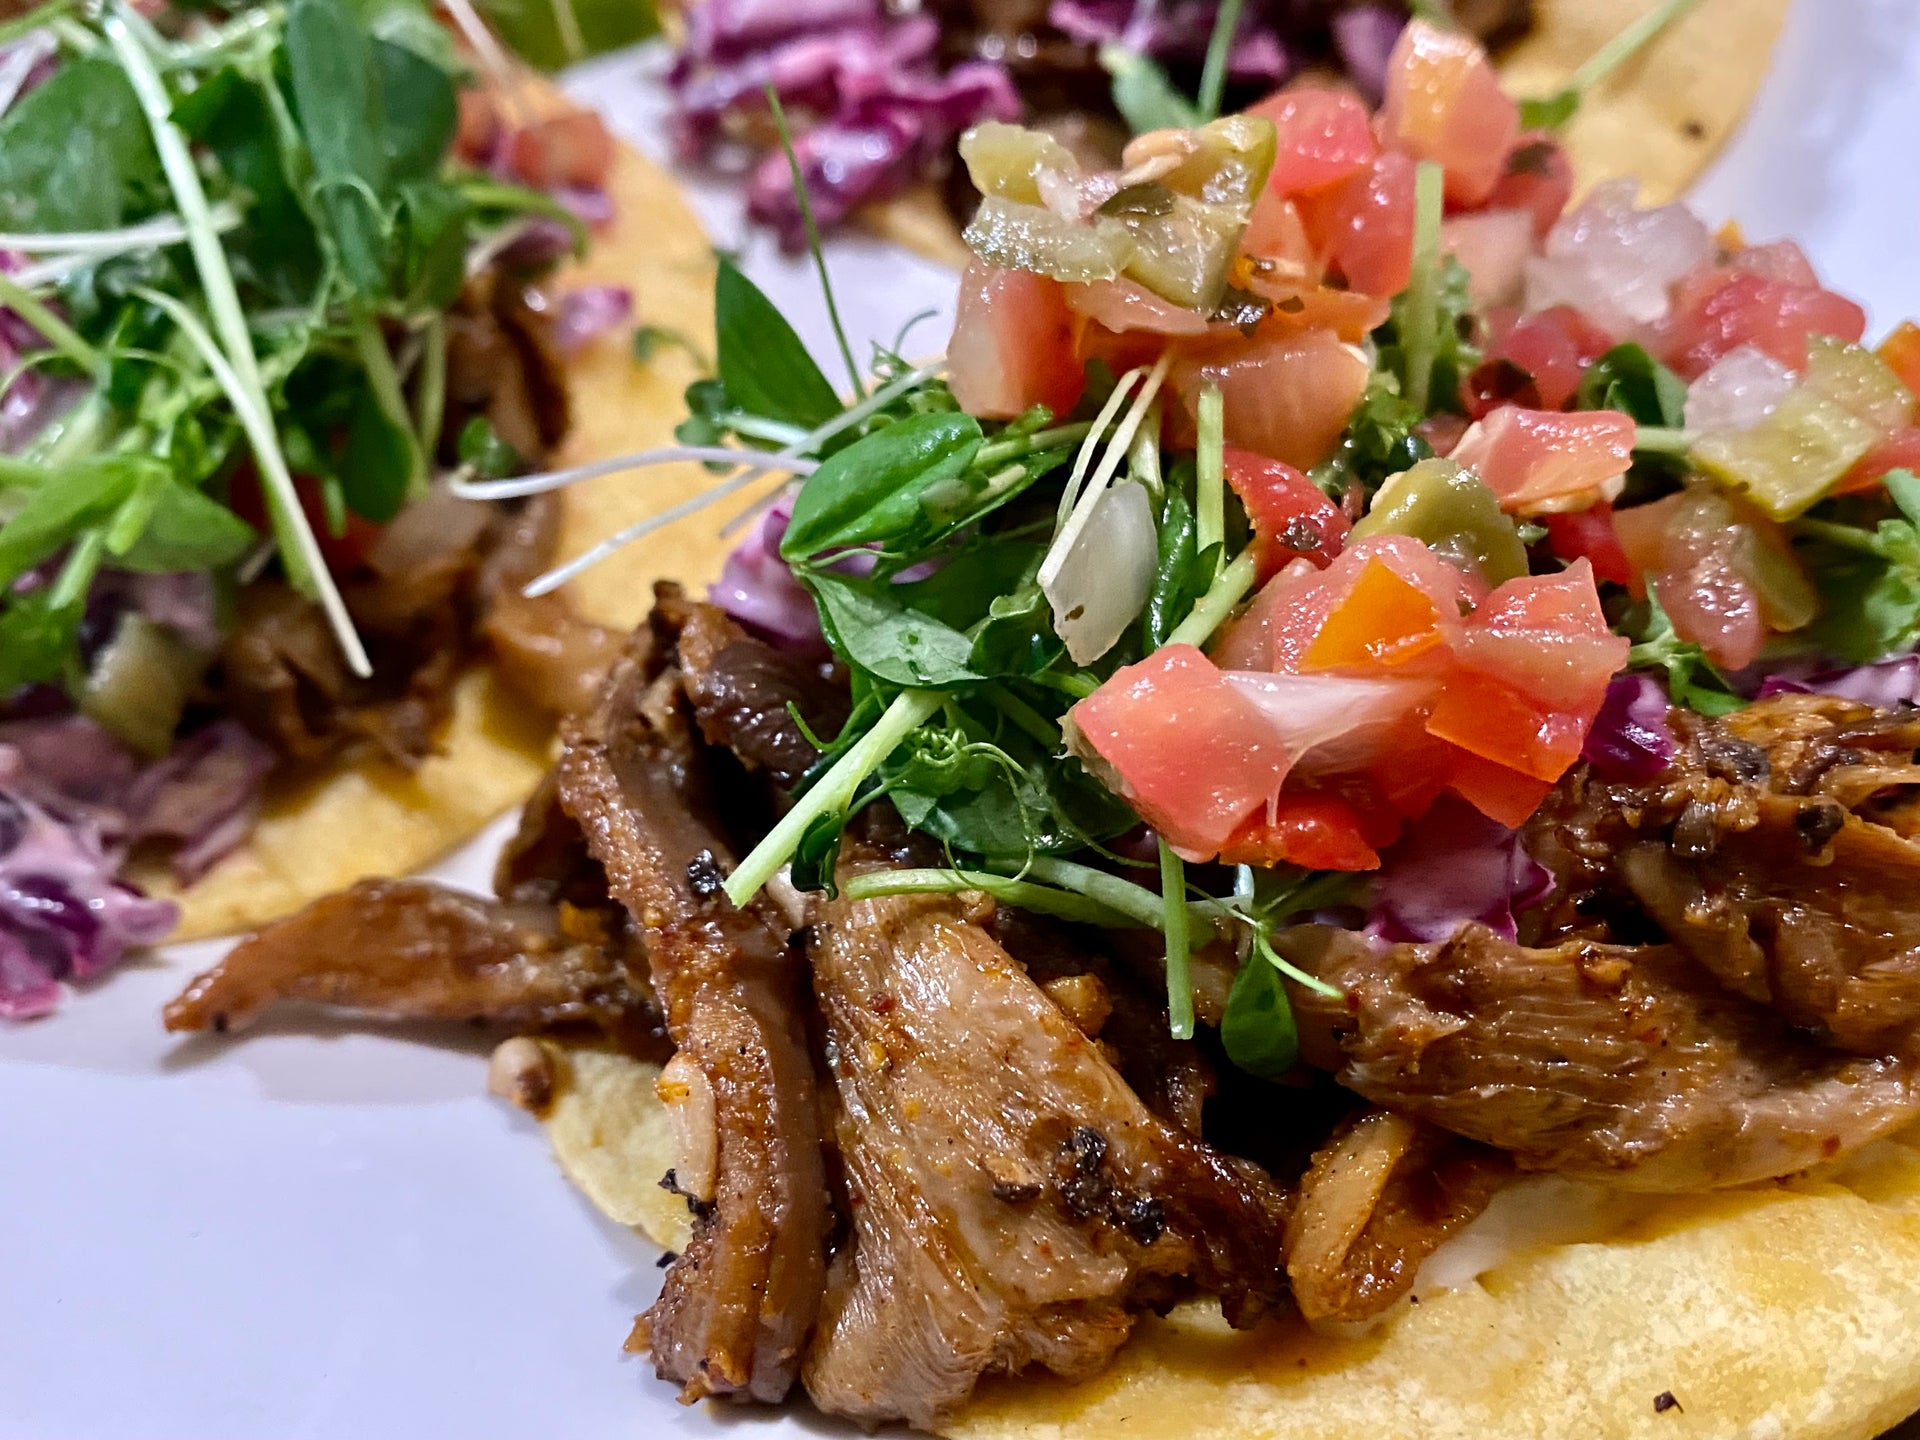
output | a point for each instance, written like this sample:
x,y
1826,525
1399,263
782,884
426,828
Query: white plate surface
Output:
x,y
331,1233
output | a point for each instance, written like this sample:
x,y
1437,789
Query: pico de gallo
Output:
x,y
1304,499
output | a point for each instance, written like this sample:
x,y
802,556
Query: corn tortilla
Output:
x,y
1787,1310
364,816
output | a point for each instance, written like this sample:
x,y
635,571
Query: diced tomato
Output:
x,y
1493,245
1537,461
1642,533
1495,791
1899,451
343,552
1350,314
1444,103
1292,517
1127,305
1781,260
1538,178
1589,535
1717,310
1383,620
1546,636
1506,726
1288,398
1275,248
1901,352
478,127
1364,227
1325,133
1287,615
1013,344
1551,347
1312,829
1192,755
570,149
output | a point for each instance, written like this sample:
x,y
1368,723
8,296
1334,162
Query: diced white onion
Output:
x,y
1102,585
1494,246
1738,392
1615,263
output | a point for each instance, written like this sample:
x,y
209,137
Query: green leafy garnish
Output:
x,y
1631,381
1869,579
1142,93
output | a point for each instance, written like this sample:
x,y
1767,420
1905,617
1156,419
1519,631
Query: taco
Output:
x,y
179,715
896,90
1346,870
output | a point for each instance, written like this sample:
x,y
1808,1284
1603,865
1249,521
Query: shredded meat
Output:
x,y
1761,854
739,1302
502,364
408,949
1374,1203
1012,1200
545,651
1625,1064
745,692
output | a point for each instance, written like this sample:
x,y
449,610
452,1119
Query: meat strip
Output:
x,y
1379,1199
1624,1064
1761,854
739,1302
409,949
1013,1202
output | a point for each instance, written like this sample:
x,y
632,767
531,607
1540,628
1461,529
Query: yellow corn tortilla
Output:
x,y
365,816
1778,1312
1660,117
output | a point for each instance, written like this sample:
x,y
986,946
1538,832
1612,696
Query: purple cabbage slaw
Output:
x,y
870,105
1452,866
75,802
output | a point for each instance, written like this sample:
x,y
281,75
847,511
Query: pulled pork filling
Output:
x,y
953,1140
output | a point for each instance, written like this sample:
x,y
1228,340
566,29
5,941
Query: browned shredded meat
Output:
x,y
409,949
1760,853
744,692
1624,1064
739,1302
1377,1201
1013,1202
502,364
545,651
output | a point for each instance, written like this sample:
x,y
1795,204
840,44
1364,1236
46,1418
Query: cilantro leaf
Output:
x,y
1869,580
1631,381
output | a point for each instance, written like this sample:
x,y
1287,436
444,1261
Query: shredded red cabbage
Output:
x,y
1179,35
1884,684
1630,740
869,103
1451,866
758,588
63,913
588,312
1364,37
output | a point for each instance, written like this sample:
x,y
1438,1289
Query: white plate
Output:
x,y
325,1232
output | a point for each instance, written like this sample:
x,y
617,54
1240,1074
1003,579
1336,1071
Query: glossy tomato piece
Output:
x,y
1717,310
1589,535
1122,305
1013,344
1444,103
1546,637
1505,726
1493,245
1187,750
1538,178
1901,353
477,130
1383,620
1497,792
1350,315
1899,451
1288,398
1325,134
1275,247
1551,348
343,552
1539,461
572,149
1292,517
1313,829
1364,227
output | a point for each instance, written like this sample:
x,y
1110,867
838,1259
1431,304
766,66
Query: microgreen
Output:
x,y
1553,111
1868,578
1213,74
1142,93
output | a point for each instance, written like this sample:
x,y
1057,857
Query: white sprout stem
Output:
x,y
493,58
1116,450
516,486
585,561
1070,495
875,402
241,366
1209,472
21,57
160,230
